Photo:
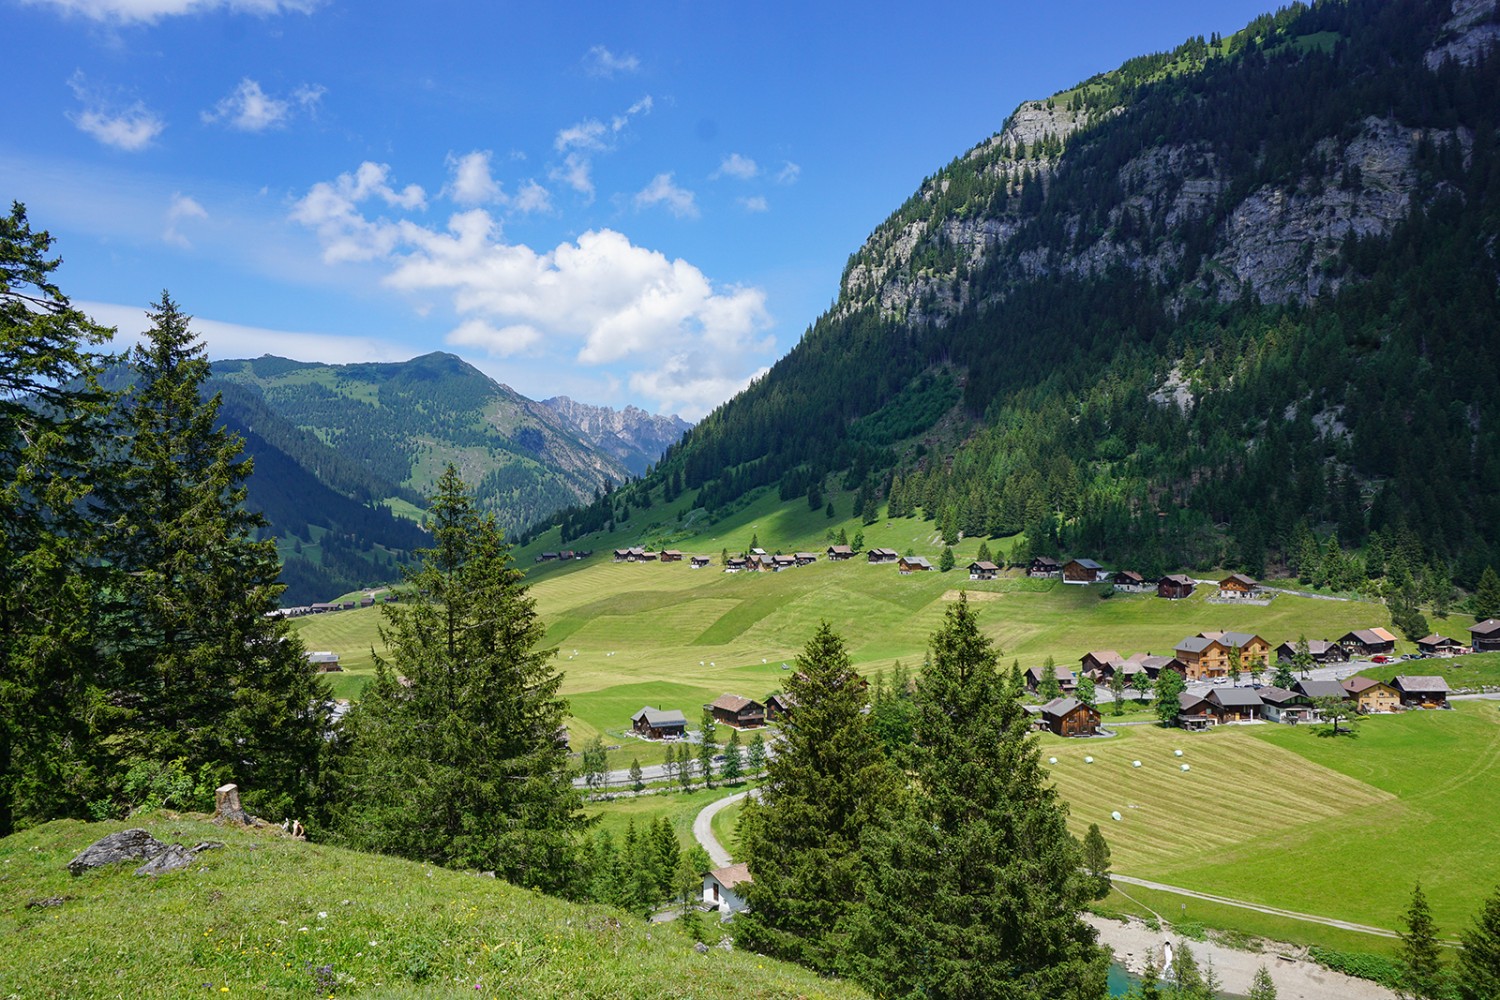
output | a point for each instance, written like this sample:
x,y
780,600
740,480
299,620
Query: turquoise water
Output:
x,y
1119,981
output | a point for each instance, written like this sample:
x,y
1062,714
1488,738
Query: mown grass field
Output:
x,y
1289,817
269,916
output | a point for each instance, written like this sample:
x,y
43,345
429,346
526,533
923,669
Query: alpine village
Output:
x,y
1099,599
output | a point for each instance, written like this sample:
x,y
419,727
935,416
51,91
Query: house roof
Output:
x,y
1423,683
1059,707
1490,626
842,550
1129,576
734,702
1370,636
656,717
1322,689
917,561
1044,561
1233,697
1238,578
733,875
1085,563
1435,640
1281,696
1194,644
1152,662
1233,640
1182,579
1061,673
1103,656
805,555
1359,685
1187,700
984,566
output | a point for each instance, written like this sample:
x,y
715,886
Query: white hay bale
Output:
x,y
1116,816
1177,753
1135,763
1088,760
1186,767
1052,760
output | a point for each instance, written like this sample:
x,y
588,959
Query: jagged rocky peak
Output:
x,y
632,435
1471,32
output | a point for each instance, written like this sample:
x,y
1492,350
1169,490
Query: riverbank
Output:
x,y
1295,977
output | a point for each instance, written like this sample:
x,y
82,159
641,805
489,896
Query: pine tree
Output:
x,y
1478,973
1117,691
825,784
757,756
734,763
974,886
1096,861
1486,599
50,407
1262,988
461,765
208,679
983,555
595,763
945,561
1049,688
636,775
1422,976
708,747
1086,692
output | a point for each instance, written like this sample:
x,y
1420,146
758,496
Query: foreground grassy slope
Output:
x,y
275,917
1288,817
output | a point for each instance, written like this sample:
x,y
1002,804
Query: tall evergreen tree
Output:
x,y
826,782
202,675
1478,973
1262,988
734,759
454,754
50,406
1486,600
1422,975
1169,684
974,887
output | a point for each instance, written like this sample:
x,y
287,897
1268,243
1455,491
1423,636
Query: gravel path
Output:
x,y
703,828
1274,911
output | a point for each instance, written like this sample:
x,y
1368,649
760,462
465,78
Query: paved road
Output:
x,y
703,827
1274,911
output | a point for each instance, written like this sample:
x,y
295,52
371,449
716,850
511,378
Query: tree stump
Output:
x,y
227,806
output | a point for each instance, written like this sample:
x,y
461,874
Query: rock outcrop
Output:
x,y
137,845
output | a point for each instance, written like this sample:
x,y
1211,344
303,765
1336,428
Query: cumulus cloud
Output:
x,y
182,207
755,203
603,63
332,209
531,198
472,183
131,127
662,191
600,301
149,11
788,173
737,166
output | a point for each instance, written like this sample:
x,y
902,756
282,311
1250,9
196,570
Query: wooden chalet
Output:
x,y
1368,642
1100,664
983,569
838,553
1130,582
1322,689
1234,704
1321,650
781,562
738,711
670,555
1438,645
779,706
761,563
722,889
1484,636
805,558
324,662
1175,587
1043,566
1152,666
1193,712
1066,680
1205,656
654,724
634,555
1070,717
1371,696
735,564
882,556
913,564
1288,707
698,562
1082,571
1422,691
1238,586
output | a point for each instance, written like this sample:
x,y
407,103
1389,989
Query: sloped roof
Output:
x,y
1435,640
1181,579
1489,626
1187,700
1322,689
984,566
1370,636
1059,707
656,717
1194,644
1086,564
733,875
917,561
734,702
1104,656
1233,697
1280,696
1422,683
1359,685
1240,579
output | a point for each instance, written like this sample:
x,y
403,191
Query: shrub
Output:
x,y
1361,965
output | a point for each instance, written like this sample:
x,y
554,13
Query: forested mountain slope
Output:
x,y
1218,306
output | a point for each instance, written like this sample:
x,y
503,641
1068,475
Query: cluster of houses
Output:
x,y
566,555
1173,587
326,607
733,710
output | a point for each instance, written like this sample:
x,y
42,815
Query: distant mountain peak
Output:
x,y
637,438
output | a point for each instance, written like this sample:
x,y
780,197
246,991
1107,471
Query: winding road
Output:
x,y
703,827
1274,911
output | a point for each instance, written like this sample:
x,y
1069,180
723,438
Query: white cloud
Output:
x,y
249,109
599,61
233,340
472,183
332,209
755,203
737,166
788,173
575,172
589,136
600,301
182,207
131,128
663,191
150,11
532,198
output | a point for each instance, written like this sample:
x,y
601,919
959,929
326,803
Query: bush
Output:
x,y
1361,965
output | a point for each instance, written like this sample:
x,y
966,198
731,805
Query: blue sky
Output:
x,y
623,203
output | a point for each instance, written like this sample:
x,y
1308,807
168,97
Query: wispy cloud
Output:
x,y
600,301
131,127
150,11
182,207
248,108
737,166
602,62
663,191
755,203
788,173
580,141
472,183
532,198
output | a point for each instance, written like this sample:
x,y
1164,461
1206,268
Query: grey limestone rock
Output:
x,y
127,845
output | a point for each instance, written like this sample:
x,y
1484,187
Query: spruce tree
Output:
x,y
461,764
50,407
202,675
1049,687
1478,973
1486,599
734,761
756,759
974,886
1096,861
636,781
825,784
708,747
1422,976
595,763
1262,988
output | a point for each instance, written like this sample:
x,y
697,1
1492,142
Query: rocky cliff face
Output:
x,y
632,435
1275,241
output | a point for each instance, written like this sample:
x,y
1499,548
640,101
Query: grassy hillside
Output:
x,y
275,917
